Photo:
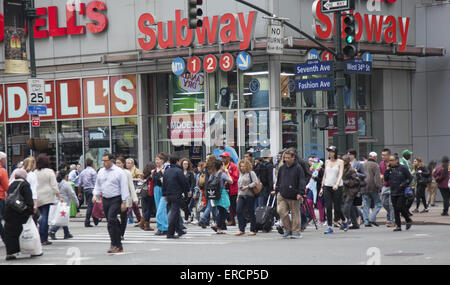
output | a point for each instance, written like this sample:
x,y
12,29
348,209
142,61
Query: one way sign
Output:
x,y
330,6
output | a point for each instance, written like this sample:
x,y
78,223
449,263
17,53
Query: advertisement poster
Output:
x,y
188,93
15,38
350,127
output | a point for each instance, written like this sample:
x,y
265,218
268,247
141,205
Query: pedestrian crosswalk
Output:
x,y
194,236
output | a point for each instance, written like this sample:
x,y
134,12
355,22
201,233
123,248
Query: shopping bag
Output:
x,y
97,211
59,215
29,240
73,209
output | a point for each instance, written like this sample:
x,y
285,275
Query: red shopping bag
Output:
x,y
97,211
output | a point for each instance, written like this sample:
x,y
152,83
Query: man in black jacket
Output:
x,y
399,177
174,184
290,188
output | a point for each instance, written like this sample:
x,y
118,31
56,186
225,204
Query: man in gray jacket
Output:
x,y
372,190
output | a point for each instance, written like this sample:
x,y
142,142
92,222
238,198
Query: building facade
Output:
x,y
110,85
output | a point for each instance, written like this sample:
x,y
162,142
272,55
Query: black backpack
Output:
x,y
212,188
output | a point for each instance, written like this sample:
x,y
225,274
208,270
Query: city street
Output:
x,y
423,244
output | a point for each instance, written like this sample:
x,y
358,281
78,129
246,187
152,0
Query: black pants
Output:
x,y
221,218
111,207
349,212
173,214
399,204
246,202
445,192
12,234
123,222
420,195
333,198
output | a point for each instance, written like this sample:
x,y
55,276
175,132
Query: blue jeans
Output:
x,y
367,198
207,213
43,224
2,208
54,229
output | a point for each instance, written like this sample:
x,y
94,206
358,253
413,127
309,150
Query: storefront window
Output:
x,y
47,130
313,138
187,93
256,131
223,91
96,140
70,142
223,127
291,121
162,93
124,137
18,150
254,87
364,124
288,86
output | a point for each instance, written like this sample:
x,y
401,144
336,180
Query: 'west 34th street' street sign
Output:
x,y
330,6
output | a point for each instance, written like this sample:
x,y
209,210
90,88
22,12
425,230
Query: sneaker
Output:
x,y
296,236
345,227
325,224
11,257
280,229
374,224
52,235
329,231
367,225
181,233
397,229
444,214
68,236
416,210
286,234
424,211
408,226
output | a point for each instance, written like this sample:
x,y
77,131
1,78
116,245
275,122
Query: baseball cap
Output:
x,y
405,152
225,154
332,148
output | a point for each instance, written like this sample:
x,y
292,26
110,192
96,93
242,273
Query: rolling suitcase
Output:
x,y
265,216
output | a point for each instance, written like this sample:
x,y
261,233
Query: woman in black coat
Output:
x,y
421,174
13,219
186,165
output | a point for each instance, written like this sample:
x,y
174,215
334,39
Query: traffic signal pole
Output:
x,y
340,138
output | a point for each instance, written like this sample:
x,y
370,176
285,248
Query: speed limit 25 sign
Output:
x,y
36,92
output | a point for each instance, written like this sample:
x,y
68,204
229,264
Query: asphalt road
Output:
x,y
423,244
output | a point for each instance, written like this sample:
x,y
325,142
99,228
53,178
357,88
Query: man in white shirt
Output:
x,y
112,185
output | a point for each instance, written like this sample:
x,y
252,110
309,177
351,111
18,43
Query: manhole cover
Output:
x,y
404,254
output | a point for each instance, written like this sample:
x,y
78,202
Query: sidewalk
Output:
x,y
433,217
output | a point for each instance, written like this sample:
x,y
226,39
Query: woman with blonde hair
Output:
x,y
135,172
29,165
246,197
137,175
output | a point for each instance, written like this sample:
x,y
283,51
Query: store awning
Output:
x,y
386,49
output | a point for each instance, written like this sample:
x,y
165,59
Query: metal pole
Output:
x,y
29,5
289,25
340,139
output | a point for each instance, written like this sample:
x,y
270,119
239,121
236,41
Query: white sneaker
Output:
x,y
194,222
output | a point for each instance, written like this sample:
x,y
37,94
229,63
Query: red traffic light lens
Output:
x,y
199,2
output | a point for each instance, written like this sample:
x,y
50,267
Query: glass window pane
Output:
x,y
363,97
223,90
223,127
364,124
187,93
70,142
257,134
96,140
291,121
124,137
162,96
254,85
47,130
288,86
17,135
313,138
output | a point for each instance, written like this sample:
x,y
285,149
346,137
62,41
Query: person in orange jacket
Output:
x,y
4,183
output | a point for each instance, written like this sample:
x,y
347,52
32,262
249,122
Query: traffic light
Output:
x,y
193,13
350,48
320,121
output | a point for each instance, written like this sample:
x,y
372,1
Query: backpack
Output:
x,y
212,188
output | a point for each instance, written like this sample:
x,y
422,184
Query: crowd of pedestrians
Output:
x,y
348,193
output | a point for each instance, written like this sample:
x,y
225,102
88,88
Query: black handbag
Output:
x,y
357,201
212,189
15,201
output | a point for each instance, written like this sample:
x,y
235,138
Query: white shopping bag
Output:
x,y
59,215
29,240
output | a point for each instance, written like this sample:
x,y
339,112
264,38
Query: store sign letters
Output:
x,y
64,98
47,23
372,28
226,28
